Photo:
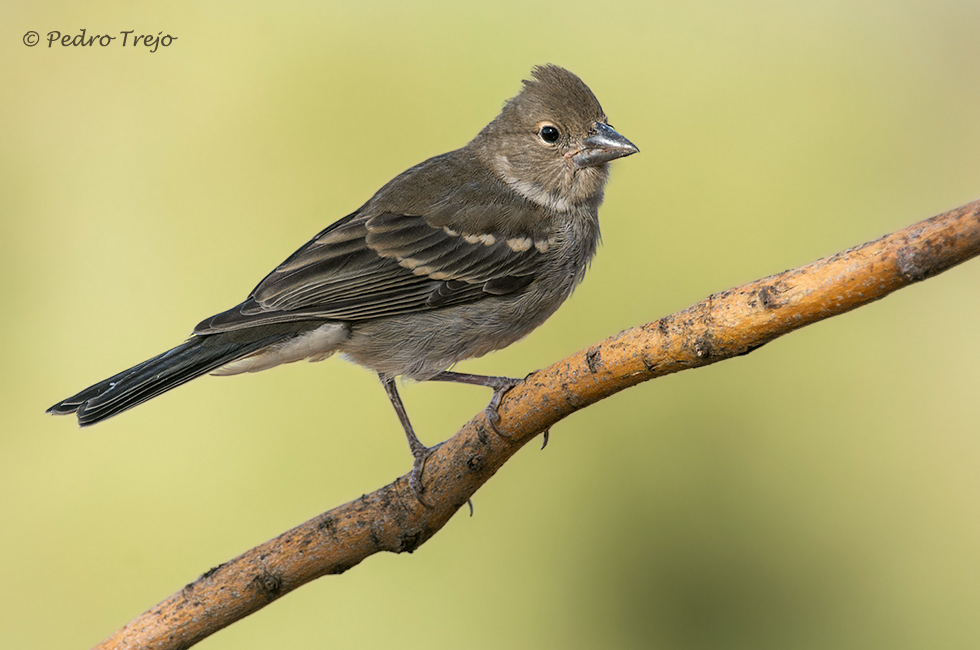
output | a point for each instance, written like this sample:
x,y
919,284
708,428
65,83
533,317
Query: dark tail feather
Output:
x,y
132,387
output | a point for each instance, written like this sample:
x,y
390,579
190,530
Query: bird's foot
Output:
x,y
500,386
421,454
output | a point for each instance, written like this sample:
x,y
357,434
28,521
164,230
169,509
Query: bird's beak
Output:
x,y
602,146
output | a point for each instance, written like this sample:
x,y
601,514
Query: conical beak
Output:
x,y
602,146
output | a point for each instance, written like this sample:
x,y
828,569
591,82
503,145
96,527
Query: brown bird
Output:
x,y
458,256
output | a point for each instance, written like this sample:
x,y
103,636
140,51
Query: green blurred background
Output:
x,y
821,492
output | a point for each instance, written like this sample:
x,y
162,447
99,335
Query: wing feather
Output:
x,y
371,266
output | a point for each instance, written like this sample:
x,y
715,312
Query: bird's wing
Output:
x,y
368,266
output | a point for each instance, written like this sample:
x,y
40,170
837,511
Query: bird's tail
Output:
x,y
195,357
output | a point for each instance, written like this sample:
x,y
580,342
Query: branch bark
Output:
x,y
722,326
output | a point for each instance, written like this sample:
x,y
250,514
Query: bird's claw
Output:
x,y
500,388
421,454
493,419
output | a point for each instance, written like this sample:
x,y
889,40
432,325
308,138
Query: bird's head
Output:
x,y
551,142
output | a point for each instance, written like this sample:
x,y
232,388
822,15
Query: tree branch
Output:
x,y
722,326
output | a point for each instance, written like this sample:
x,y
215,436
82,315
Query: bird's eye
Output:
x,y
549,133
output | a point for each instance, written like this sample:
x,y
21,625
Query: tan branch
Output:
x,y
722,326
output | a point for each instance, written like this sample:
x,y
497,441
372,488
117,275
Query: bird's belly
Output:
x,y
421,345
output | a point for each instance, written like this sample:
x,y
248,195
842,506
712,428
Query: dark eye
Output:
x,y
549,133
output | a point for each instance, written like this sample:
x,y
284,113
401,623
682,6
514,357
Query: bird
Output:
x,y
458,256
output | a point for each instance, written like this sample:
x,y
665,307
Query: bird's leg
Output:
x,y
419,451
500,386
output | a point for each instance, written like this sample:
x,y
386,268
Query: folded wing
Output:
x,y
371,266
